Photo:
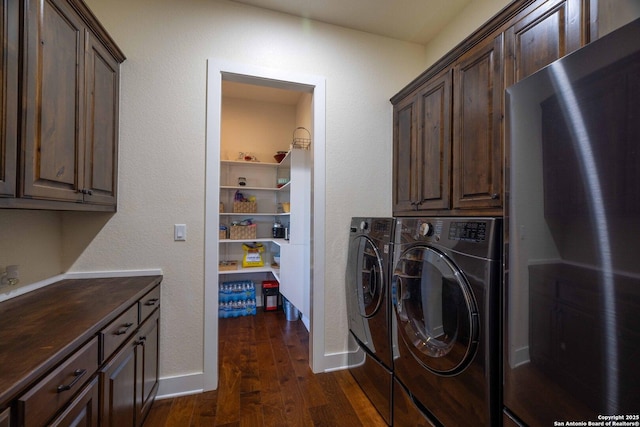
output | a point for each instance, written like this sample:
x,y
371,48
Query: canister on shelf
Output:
x,y
277,230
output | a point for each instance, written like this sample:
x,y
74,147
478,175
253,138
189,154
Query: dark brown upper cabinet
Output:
x,y
9,34
543,33
422,148
477,128
69,113
450,151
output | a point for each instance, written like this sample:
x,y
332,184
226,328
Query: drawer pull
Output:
x,y
78,373
123,330
152,301
141,341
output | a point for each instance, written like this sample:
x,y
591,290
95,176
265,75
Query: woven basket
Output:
x,y
227,265
245,207
242,232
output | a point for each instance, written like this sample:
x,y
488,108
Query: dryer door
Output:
x,y
365,278
436,312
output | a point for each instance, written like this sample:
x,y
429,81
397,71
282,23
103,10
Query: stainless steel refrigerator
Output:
x,y
572,290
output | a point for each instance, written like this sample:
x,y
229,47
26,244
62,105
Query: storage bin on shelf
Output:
x,y
245,207
243,232
227,265
301,138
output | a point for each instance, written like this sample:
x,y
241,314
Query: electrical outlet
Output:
x,y
10,276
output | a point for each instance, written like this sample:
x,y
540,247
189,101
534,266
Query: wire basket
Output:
x,y
301,138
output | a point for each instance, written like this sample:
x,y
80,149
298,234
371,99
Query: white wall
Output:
x,y
472,17
259,127
163,139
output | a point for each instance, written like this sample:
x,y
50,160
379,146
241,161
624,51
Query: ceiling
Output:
x,y
416,21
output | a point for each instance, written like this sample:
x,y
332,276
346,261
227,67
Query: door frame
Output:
x,y
218,70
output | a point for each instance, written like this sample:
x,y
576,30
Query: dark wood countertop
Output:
x,y
41,328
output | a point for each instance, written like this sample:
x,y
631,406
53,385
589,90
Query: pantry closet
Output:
x,y
252,114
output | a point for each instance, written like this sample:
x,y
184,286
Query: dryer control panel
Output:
x,y
478,236
474,231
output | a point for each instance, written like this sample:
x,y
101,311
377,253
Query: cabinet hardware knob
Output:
x,y
123,330
78,373
495,196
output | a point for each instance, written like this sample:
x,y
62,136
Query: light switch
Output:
x,y
180,232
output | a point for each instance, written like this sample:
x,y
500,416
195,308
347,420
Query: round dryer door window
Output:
x,y
369,278
436,311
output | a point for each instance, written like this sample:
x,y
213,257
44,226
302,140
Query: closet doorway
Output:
x,y
312,88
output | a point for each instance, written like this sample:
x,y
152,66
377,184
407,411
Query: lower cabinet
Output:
x,y
147,353
118,382
129,381
111,380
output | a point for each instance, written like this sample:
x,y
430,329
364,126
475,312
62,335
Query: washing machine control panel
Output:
x,y
429,230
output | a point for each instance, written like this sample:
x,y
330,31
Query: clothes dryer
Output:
x,y
367,281
446,302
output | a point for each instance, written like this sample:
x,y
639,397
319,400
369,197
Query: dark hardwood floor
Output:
x,y
265,380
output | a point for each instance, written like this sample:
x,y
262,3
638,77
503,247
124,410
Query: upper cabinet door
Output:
x,y
101,142
54,101
404,155
434,143
549,32
9,36
477,127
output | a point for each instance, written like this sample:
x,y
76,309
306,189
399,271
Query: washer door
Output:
x,y
367,278
435,309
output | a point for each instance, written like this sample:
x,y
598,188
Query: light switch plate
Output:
x,y
180,232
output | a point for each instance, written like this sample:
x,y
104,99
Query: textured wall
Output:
x,y
162,140
472,17
33,241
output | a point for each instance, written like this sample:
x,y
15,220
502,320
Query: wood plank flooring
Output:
x,y
265,380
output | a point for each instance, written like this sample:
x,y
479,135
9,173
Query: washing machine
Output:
x,y
446,303
367,279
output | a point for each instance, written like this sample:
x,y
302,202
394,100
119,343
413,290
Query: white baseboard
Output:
x,y
114,273
181,385
336,361
7,293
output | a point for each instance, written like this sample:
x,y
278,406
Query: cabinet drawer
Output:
x,y
114,335
84,409
5,418
43,400
149,303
